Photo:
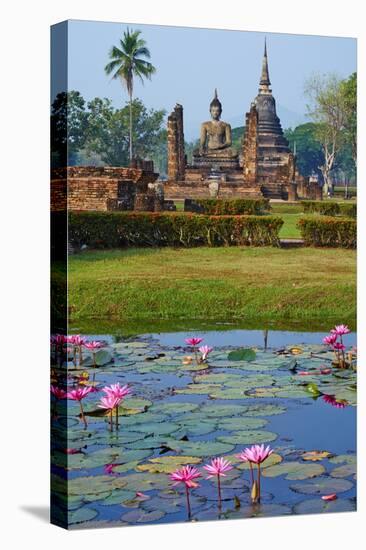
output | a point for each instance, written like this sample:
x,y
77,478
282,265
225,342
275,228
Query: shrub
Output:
x,y
328,231
349,210
320,207
222,207
120,229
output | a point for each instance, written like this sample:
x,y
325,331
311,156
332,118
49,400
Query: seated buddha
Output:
x,y
215,137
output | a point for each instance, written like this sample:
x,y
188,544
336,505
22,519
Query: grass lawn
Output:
x,y
307,285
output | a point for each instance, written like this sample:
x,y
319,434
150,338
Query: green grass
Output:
x,y
260,286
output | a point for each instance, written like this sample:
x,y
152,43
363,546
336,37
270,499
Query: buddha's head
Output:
x,y
215,107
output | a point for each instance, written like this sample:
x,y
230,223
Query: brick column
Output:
x,y
178,110
173,167
250,146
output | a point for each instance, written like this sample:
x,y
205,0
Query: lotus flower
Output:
x,y
93,346
108,469
59,393
110,403
256,454
76,340
58,340
333,496
116,390
78,394
217,468
205,350
330,340
186,475
193,341
331,400
338,346
340,330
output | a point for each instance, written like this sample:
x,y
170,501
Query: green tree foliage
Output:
x,y
349,91
309,153
128,61
68,126
99,130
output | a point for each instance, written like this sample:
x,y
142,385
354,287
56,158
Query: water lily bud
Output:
x,y
255,492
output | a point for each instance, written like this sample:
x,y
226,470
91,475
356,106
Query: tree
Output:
x,y
108,131
127,62
327,109
349,92
68,126
309,152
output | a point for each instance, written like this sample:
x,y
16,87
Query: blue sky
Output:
x,y
192,62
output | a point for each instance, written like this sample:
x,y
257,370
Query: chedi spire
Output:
x,y
264,83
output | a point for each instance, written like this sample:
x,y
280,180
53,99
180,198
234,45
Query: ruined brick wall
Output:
x,y
95,188
176,153
250,146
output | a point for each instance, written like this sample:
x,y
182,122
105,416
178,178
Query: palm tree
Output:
x,y
129,61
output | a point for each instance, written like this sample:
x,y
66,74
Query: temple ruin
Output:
x,y
265,165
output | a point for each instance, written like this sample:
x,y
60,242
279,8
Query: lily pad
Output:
x,y
315,456
157,428
167,464
319,506
294,470
142,516
241,423
222,410
201,448
242,354
247,437
175,408
103,357
81,515
322,486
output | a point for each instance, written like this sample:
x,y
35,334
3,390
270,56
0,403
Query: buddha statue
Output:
x,y
215,137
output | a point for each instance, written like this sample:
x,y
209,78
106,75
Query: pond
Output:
x,y
282,389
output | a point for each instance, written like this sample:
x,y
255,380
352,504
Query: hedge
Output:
x,y
220,207
329,208
328,231
122,229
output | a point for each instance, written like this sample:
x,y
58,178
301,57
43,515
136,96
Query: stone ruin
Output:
x,y
105,188
265,166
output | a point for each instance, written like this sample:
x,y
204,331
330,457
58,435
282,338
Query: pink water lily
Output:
x,y
94,345
331,400
108,469
333,496
256,454
218,467
340,330
110,403
58,340
330,340
205,350
339,347
58,392
116,390
79,394
76,340
187,476
193,341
